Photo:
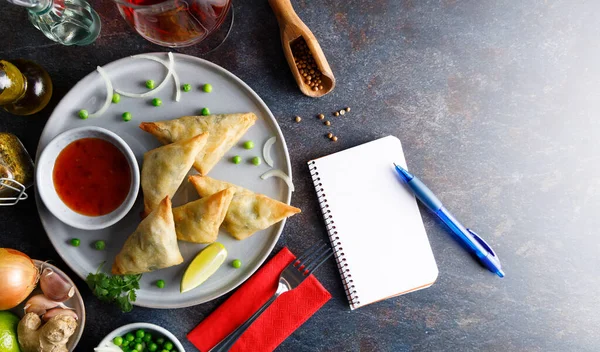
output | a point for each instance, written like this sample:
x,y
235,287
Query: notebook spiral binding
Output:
x,y
336,242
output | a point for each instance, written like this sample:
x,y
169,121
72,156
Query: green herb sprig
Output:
x,y
117,289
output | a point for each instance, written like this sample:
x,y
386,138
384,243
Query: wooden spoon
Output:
x,y
292,29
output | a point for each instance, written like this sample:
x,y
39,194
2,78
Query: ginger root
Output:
x,y
51,337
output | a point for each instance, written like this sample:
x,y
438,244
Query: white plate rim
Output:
x,y
271,117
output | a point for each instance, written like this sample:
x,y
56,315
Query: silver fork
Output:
x,y
290,278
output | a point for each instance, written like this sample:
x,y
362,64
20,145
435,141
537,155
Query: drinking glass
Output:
x,y
179,23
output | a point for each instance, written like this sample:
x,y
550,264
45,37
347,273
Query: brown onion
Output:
x,y
55,286
18,276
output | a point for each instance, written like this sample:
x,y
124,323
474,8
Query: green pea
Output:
x,y
126,116
236,263
168,346
116,98
256,161
152,346
129,337
248,145
164,350
75,242
99,245
207,88
83,114
205,112
156,102
160,340
139,347
160,283
118,340
147,337
138,340
150,84
236,159
139,333
186,87
125,343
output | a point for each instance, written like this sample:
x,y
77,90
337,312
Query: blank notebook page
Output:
x,y
373,222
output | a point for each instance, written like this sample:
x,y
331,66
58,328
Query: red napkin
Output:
x,y
279,321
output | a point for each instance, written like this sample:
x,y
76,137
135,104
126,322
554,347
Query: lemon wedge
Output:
x,y
203,266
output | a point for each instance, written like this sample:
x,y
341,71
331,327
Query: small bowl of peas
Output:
x,y
138,337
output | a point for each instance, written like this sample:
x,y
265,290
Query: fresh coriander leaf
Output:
x,y
132,296
124,304
116,289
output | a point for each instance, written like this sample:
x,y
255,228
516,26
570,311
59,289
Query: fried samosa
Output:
x,y
165,168
248,212
199,221
152,246
224,131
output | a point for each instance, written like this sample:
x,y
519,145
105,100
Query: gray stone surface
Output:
x,y
496,103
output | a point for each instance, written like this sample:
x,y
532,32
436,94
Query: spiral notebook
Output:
x,y
373,222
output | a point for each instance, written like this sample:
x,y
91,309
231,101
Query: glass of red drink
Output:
x,y
177,23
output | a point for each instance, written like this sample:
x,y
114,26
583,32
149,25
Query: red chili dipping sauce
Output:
x,y
91,176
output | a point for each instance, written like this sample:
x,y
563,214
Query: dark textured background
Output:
x,y
496,103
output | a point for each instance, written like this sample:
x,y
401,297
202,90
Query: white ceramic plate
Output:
x,y
229,95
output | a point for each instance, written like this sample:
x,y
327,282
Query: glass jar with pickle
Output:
x,y
16,169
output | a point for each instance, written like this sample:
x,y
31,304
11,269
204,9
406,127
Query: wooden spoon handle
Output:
x,y
284,11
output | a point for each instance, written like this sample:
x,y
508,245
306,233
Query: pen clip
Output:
x,y
483,243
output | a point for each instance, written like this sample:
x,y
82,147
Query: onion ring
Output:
x,y
170,71
280,174
267,150
109,92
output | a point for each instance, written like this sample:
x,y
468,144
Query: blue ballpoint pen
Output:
x,y
476,244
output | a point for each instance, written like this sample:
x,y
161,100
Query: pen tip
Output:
x,y
500,273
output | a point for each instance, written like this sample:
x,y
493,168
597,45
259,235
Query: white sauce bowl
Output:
x,y
152,328
45,184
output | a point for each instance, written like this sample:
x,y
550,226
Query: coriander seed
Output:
x,y
347,109
327,123
329,135
337,113
342,112
321,116
334,138
298,119
306,65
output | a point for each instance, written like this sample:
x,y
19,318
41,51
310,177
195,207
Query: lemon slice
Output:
x,y
203,266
